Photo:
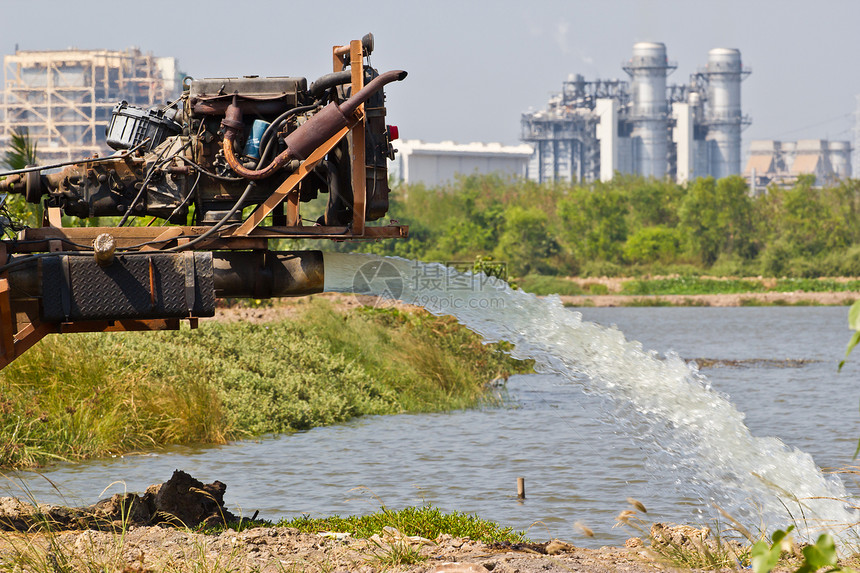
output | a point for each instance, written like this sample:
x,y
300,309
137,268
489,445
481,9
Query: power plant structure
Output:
x,y
64,99
594,129
783,162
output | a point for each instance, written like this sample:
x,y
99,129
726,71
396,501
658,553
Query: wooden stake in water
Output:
x,y
521,488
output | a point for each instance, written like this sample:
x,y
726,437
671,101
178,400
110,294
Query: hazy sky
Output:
x,y
475,66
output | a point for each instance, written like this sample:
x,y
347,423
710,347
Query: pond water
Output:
x,y
580,460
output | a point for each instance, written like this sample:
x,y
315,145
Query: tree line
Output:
x,y
632,226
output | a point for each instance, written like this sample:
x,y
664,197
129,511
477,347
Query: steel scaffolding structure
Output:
x,y
63,99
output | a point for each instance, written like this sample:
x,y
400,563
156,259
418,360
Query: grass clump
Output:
x,y
545,285
683,546
86,395
816,285
427,522
690,286
653,301
394,554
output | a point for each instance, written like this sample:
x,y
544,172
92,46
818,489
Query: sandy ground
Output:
x,y
786,298
285,308
614,286
270,549
137,533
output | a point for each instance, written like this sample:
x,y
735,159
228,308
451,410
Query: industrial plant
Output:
x,y
594,129
588,132
64,99
782,162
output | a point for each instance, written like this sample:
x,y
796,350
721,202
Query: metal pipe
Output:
x,y
237,274
268,274
35,168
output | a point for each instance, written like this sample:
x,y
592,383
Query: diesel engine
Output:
x,y
226,144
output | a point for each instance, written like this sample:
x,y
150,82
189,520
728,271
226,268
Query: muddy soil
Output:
x,y
287,308
776,298
160,530
273,549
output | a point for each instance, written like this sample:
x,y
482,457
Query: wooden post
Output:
x,y
521,488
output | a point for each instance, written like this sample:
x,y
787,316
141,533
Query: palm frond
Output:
x,y
21,151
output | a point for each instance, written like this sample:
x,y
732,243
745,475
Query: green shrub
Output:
x,y
602,269
86,395
597,288
651,244
544,285
689,286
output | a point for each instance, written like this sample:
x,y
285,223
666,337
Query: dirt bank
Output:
x,y
285,308
160,531
745,299
274,549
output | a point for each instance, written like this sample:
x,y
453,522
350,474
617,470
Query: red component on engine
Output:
x,y
393,133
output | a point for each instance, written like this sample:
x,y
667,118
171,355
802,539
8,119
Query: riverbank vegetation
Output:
x,y
632,227
428,522
682,285
84,395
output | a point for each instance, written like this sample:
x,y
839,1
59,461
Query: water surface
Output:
x,y
579,461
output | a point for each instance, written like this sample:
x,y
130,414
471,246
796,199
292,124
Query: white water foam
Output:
x,y
668,406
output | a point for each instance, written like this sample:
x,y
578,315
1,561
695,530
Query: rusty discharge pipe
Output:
x,y
236,274
310,135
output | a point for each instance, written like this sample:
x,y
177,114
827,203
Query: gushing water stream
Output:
x,y
666,404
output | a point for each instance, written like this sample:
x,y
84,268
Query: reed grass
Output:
x,y
545,285
84,395
690,285
685,547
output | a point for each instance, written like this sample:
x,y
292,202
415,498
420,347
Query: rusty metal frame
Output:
x,y
288,190
155,238
19,333
14,345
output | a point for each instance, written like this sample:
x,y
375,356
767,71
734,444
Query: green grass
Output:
x,y
690,286
816,285
84,395
777,302
647,302
545,285
427,521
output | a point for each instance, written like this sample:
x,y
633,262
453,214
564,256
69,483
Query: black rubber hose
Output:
x,y
238,205
275,125
328,81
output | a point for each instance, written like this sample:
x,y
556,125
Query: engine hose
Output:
x,y
329,81
275,125
252,174
236,207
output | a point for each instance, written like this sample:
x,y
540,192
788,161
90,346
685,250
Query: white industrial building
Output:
x,y
782,162
434,164
593,129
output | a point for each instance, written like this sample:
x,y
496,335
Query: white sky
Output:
x,y
476,66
